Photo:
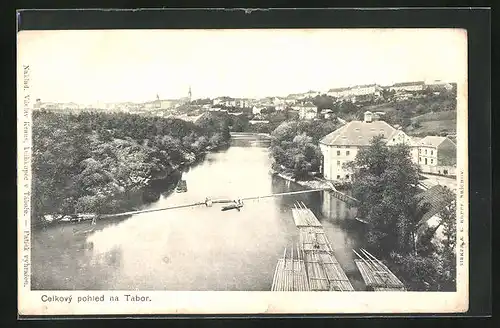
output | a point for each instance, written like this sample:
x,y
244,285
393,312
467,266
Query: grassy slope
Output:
x,y
436,123
380,108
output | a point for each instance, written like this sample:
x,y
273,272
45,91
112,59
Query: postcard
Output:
x,y
274,171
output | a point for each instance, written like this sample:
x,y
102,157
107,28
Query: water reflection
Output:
x,y
335,209
199,248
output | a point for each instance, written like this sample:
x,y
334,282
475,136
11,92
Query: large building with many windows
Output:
x,y
433,154
342,145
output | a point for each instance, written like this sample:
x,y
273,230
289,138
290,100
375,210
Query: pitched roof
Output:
x,y
338,89
352,88
415,140
434,196
364,85
432,141
308,104
358,133
407,84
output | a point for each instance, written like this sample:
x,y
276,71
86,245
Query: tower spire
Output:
x,y
189,93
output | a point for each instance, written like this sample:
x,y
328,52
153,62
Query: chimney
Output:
x,y
368,117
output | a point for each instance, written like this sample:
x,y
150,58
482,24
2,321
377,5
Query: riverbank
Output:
x,y
131,200
313,183
159,250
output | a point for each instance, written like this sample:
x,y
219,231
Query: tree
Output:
x,y
89,162
419,272
385,181
449,242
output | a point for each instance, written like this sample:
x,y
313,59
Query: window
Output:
x,y
347,146
432,152
338,177
347,152
347,176
419,151
426,151
420,159
432,161
338,152
393,139
338,163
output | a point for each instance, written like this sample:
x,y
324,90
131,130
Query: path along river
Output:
x,y
198,248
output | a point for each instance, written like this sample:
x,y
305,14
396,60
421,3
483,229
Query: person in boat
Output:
x,y
208,202
237,204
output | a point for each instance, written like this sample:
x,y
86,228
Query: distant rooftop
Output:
x,y
435,199
432,141
359,133
353,87
407,84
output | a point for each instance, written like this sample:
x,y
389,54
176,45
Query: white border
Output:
x,y
30,302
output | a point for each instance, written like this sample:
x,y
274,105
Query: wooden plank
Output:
x,y
374,278
305,218
325,273
382,271
290,275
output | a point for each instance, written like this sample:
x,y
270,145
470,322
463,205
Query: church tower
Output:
x,y
189,94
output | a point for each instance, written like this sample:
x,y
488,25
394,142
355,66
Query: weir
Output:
x,y
207,202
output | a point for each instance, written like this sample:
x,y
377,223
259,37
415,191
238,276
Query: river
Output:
x,y
199,248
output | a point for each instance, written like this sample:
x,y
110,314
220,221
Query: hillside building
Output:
x,y
437,155
342,145
356,92
308,111
407,86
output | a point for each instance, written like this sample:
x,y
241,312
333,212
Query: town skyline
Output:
x,y
136,66
157,96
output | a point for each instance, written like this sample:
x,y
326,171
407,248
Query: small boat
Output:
x,y
362,221
235,206
181,186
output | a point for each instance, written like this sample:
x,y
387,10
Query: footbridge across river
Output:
x,y
209,202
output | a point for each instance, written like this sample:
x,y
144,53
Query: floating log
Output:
x,y
325,273
290,275
375,274
304,217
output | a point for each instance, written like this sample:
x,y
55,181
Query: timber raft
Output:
x,y
315,254
290,274
376,275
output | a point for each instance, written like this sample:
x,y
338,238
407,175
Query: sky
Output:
x,y
86,66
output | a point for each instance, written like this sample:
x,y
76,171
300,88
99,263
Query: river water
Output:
x,y
198,248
